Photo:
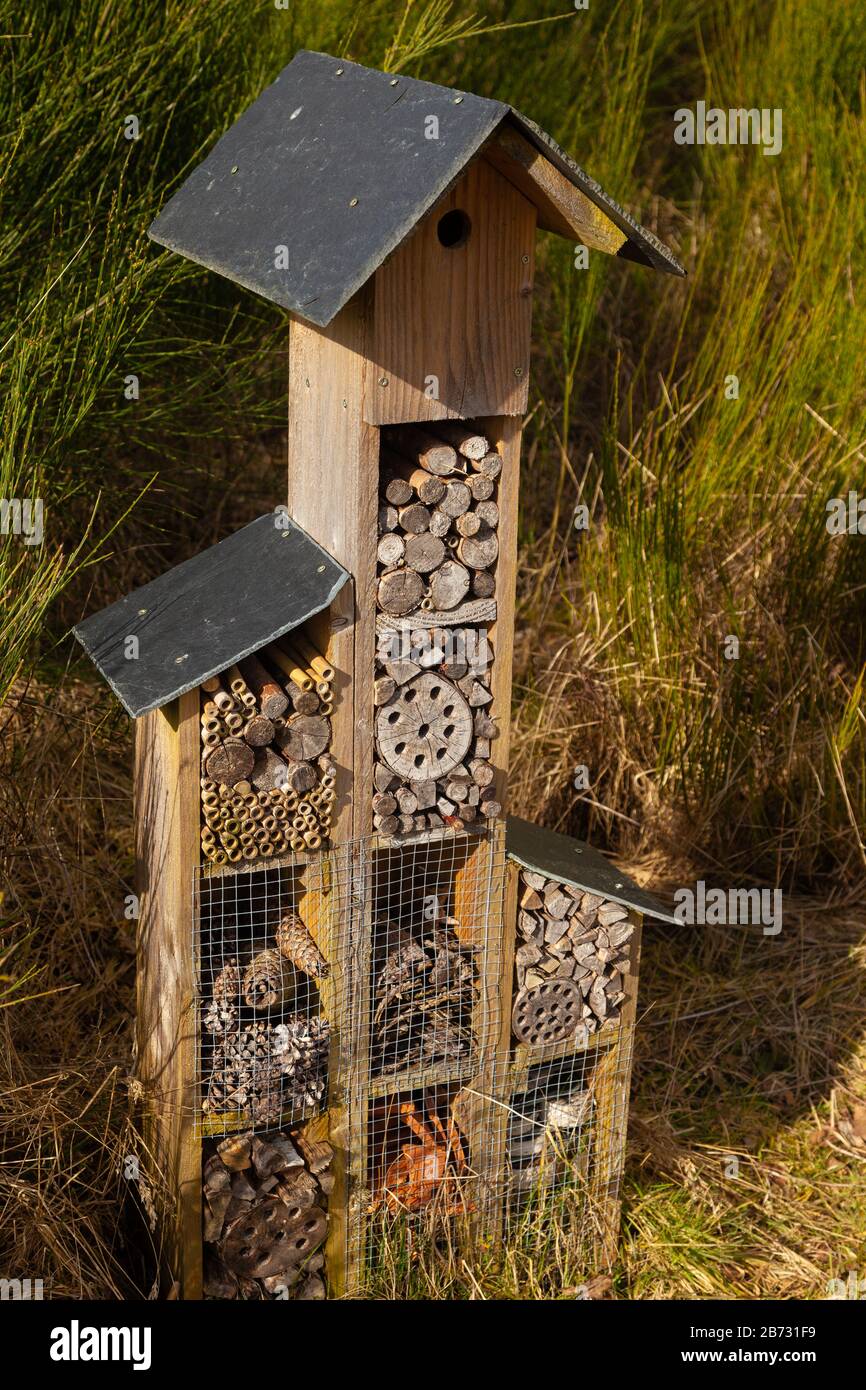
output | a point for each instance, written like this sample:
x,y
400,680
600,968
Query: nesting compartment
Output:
x,y
268,778
436,598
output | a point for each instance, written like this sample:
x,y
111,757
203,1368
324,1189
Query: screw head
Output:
x,y
457,101
383,381
353,202
525,260
340,72
518,371
234,168
393,82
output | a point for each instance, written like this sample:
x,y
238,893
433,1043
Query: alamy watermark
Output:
x,y
735,126
22,517
21,1290
704,906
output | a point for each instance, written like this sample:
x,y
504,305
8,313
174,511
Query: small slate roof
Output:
x,y
204,615
572,861
332,163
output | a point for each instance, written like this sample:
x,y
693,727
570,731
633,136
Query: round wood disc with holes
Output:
x,y
546,1013
272,1238
426,729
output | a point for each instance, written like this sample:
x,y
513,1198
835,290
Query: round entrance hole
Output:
x,y
453,229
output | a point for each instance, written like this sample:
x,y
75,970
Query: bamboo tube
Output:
x,y
212,684
224,701
298,823
248,825
220,856
297,842
293,669
280,814
260,834
312,657
312,839
239,686
243,788
234,723
234,855
266,850
257,813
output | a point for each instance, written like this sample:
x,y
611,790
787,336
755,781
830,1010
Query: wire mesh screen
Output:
x,y
435,915
475,1088
264,1036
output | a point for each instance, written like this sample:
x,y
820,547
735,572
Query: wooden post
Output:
x,y
610,1085
167,849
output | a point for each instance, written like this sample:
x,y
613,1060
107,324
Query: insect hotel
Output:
x,y
371,1005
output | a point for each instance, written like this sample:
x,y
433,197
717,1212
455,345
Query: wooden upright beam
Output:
x,y
167,852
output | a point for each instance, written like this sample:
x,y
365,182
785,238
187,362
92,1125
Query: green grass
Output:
x,y
707,522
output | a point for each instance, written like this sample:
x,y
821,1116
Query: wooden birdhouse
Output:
x,y
367,996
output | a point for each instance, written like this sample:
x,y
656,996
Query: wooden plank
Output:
x,y
610,1085
167,821
505,436
561,207
458,314
333,494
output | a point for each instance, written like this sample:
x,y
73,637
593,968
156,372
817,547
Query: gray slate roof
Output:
x,y
200,617
572,861
332,163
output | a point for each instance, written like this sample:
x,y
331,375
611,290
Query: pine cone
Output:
x,y
296,944
220,1016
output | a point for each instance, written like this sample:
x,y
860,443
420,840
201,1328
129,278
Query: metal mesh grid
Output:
x,y
263,1033
434,916
399,962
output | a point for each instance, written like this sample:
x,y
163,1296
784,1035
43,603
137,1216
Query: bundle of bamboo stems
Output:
x,y
267,779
